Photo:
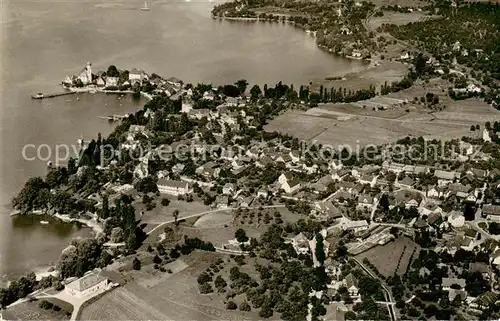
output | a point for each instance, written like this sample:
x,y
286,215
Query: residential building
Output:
x,y
229,189
491,212
172,187
86,285
449,283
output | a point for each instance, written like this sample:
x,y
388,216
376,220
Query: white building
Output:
x,y
137,75
166,186
86,285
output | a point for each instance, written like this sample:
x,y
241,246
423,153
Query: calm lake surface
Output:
x,y
43,41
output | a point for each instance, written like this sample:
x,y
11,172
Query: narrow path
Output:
x,y
389,300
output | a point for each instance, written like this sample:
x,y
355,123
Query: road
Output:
x,y
388,296
208,212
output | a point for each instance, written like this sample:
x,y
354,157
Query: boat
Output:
x,y
44,222
145,8
38,96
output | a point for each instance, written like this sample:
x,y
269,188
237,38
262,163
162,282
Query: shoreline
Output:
x,y
90,223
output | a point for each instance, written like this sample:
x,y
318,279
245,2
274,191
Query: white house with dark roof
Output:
x,y
491,212
445,177
87,285
167,186
137,75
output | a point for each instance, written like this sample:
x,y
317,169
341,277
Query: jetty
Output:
x,y
51,95
113,117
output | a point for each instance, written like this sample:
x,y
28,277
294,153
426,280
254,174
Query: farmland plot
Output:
x,y
393,257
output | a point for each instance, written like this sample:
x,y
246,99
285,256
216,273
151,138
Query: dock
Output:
x,y
51,95
113,117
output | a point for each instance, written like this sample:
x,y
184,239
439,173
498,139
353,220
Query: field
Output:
x,y
31,311
339,124
164,297
392,257
396,18
164,213
375,75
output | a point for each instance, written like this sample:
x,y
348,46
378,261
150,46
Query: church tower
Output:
x,y
89,72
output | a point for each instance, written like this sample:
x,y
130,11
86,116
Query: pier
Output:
x,y
51,95
113,117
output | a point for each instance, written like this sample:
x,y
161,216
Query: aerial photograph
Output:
x,y
297,160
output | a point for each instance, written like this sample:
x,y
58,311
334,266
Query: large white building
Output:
x,y
87,285
166,186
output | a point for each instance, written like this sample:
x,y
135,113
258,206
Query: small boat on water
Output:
x,y
44,222
145,8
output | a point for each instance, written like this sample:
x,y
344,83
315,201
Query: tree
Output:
x,y
241,236
157,259
320,250
220,283
165,201
206,288
255,92
231,305
112,71
176,216
242,85
136,264
244,306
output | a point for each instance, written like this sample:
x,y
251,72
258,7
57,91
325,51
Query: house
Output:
x,y
166,186
300,243
456,219
253,153
434,218
291,186
294,156
434,192
100,82
491,212
356,226
365,201
263,192
245,201
137,76
229,189
341,196
174,82
445,177
112,81
486,135
141,170
86,285
351,284
392,167
406,182
322,184
222,201
429,208
368,179
484,301
199,113
326,209
449,283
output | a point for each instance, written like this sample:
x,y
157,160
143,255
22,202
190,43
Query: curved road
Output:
x,y
208,212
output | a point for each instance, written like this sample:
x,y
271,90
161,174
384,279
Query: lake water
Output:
x,y
43,41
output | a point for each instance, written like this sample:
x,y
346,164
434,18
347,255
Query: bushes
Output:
x,y
231,305
136,264
44,304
